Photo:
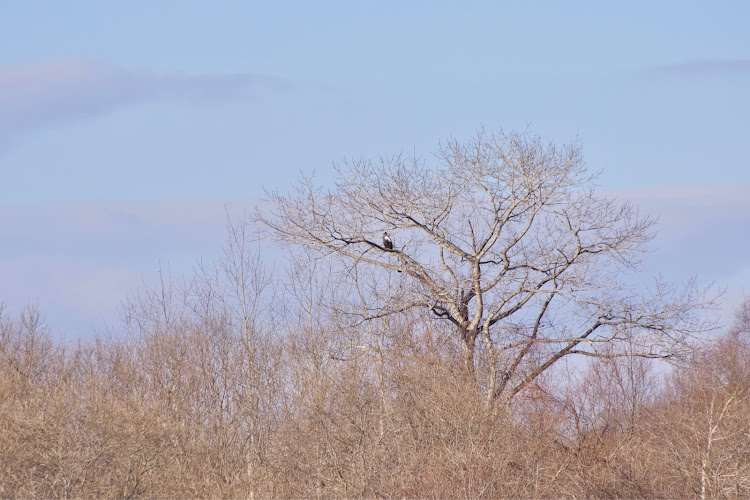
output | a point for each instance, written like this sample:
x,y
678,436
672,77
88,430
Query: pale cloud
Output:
x,y
693,208
78,261
702,231
38,95
107,228
703,67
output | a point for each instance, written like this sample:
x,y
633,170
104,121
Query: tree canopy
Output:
x,y
504,236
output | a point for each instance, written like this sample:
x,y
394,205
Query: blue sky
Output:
x,y
126,127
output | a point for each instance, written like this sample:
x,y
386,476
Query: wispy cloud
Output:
x,y
703,67
43,94
691,212
702,231
80,260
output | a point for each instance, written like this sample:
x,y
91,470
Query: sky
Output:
x,y
129,130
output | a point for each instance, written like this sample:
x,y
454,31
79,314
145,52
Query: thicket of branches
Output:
x,y
339,377
221,388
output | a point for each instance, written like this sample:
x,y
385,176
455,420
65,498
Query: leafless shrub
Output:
x,y
706,419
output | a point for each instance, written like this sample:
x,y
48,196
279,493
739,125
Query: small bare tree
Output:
x,y
505,238
704,422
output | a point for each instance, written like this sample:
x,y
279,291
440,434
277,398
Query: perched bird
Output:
x,y
387,241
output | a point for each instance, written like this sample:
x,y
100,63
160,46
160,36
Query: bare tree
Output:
x,y
505,238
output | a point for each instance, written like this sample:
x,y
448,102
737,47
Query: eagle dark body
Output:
x,y
387,241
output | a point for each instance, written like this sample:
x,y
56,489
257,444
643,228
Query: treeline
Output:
x,y
241,384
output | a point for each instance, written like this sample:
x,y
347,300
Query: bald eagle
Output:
x,y
387,241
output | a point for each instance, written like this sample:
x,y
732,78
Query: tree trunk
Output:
x,y
468,344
